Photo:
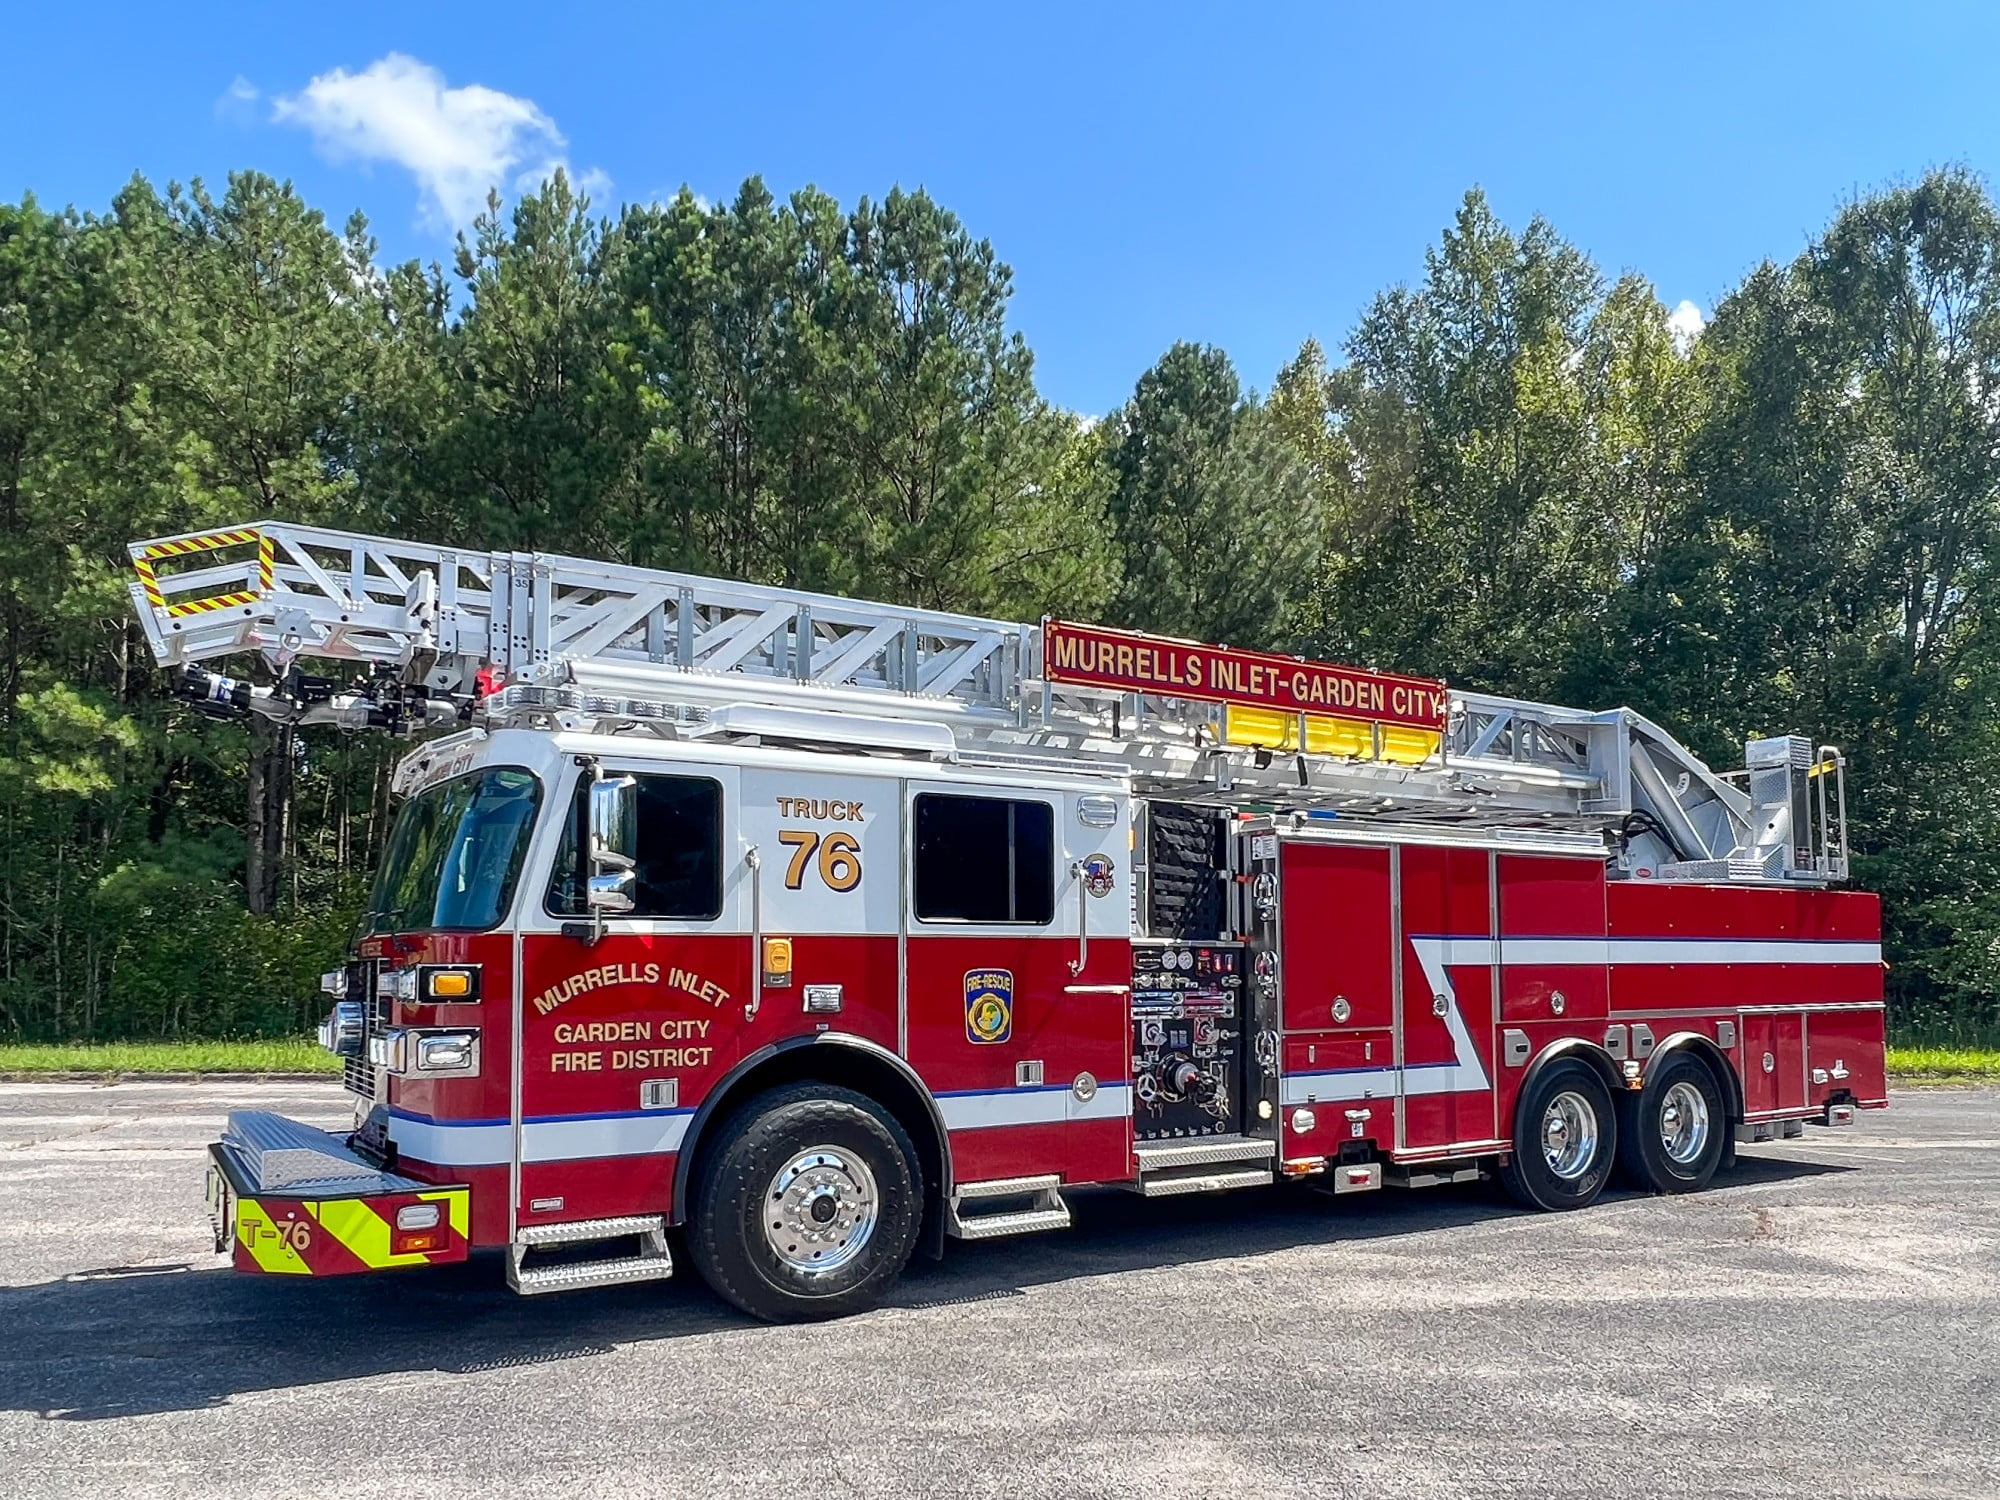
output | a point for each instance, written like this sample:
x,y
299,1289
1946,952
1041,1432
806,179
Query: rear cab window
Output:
x,y
985,860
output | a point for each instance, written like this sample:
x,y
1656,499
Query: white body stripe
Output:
x,y
484,1144
444,1144
1466,1073
447,1144
1043,1106
1616,951
1357,1083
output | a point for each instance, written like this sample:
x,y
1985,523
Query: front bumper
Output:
x,y
289,1200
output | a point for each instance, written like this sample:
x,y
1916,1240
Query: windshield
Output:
x,y
456,851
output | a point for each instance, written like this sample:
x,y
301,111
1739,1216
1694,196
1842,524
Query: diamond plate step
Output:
x,y
1007,1187
1047,1211
532,1280
1204,1182
1154,1156
580,1231
652,1263
1024,1221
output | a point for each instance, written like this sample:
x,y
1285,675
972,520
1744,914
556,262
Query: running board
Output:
x,y
1431,1174
1759,1131
1167,1169
652,1263
1044,1209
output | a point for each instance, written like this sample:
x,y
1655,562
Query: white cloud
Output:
x,y
457,142
1684,325
238,102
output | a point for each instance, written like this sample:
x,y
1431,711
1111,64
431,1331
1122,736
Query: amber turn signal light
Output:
x,y
442,984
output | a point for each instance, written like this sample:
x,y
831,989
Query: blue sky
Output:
x,y
1243,175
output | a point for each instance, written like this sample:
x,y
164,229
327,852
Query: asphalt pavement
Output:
x,y
1824,1322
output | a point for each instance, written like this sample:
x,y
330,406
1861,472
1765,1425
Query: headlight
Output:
x,y
341,1032
406,1049
448,1052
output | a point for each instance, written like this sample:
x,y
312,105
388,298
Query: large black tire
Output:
x,y
776,1217
1673,1134
1566,1111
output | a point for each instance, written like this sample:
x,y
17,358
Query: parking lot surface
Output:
x,y
1824,1322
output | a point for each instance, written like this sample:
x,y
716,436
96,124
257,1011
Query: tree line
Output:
x,y
1513,475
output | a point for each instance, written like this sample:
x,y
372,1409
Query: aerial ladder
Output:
x,y
435,637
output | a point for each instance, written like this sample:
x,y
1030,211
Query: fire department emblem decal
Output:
x,y
989,1005
1097,878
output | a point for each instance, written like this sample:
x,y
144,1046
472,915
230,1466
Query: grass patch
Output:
x,y
1944,1062
138,1059
299,1055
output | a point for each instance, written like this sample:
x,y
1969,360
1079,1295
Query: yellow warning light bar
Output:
x,y
1351,739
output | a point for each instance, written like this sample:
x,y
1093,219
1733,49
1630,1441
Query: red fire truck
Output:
x,y
790,933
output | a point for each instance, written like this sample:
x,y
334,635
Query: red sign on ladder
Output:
x,y
1092,656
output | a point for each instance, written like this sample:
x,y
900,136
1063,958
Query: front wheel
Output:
x,y
1674,1135
1565,1139
808,1206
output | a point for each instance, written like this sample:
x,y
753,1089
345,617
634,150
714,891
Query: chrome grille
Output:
x,y
357,1075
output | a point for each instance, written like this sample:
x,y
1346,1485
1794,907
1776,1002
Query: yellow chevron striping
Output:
x,y
217,601
366,1233
206,543
149,582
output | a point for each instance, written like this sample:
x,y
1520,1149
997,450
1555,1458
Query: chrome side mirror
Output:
x,y
611,893
614,825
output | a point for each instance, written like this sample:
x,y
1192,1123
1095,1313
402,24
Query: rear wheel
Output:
x,y
1674,1133
1565,1139
808,1206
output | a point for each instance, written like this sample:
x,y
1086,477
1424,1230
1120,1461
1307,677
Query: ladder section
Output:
x,y
447,636
445,614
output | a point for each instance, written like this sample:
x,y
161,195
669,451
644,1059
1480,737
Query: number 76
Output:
x,y
839,859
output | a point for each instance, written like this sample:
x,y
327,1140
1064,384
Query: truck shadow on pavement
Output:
x,y
128,1341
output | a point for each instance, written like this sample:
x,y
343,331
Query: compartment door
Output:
x,y
1339,960
1448,971
1029,1054
1774,1063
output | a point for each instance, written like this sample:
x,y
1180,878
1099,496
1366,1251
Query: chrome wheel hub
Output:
x,y
1684,1123
1569,1135
821,1209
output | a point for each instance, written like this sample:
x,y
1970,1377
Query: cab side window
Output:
x,y
984,859
680,851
